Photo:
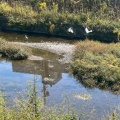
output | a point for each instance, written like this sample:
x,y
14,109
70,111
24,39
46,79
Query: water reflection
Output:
x,y
15,37
50,71
114,88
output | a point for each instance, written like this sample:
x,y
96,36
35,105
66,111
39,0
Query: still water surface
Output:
x,y
53,81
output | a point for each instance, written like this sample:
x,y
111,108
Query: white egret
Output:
x,y
26,37
87,31
70,30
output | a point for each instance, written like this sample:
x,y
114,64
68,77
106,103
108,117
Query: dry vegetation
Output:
x,y
98,65
12,51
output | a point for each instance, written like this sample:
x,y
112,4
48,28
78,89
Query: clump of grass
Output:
x,y
97,65
114,116
13,51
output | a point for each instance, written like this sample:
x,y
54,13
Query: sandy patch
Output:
x,y
64,49
32,57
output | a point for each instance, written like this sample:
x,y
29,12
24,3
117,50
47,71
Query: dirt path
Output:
x,y
64,49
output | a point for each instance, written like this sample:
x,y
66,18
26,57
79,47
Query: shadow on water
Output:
x,y
114,87
34,38
45,54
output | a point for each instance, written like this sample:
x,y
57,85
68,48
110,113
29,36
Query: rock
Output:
x,y
32,57
0,55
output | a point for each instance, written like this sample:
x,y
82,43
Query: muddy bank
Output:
x,y
102,33
64,49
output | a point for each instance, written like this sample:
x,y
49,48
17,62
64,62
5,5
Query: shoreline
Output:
x,y
64,49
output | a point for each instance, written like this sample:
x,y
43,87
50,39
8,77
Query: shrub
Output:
x,y
5,8
98,63
13,51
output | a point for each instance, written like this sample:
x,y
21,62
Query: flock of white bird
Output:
x,y
86,30
70,30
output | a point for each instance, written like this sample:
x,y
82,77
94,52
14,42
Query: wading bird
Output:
x,y
87,31
26,37
70,30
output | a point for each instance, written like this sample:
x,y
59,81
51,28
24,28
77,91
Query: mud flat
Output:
x,y
64,49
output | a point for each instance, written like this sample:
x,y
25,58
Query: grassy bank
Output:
x,y
97,65
12,51
56,17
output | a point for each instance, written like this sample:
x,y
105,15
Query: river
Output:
x,y
53,81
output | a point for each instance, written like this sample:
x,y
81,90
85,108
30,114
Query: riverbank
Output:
x,y
12,51
53,22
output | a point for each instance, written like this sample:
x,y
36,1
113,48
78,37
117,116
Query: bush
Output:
x,y
12,51
98,65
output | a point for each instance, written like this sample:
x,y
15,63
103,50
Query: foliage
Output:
x,y
101,15
13,51
98,65
42,5
5,8
118,33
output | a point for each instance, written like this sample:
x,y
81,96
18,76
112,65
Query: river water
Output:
x,y
53,81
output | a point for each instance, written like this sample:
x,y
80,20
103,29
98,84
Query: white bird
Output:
x,y
26,37
70,30
87,31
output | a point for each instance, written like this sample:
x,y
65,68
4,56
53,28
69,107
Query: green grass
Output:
x,y
97,65
13,51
